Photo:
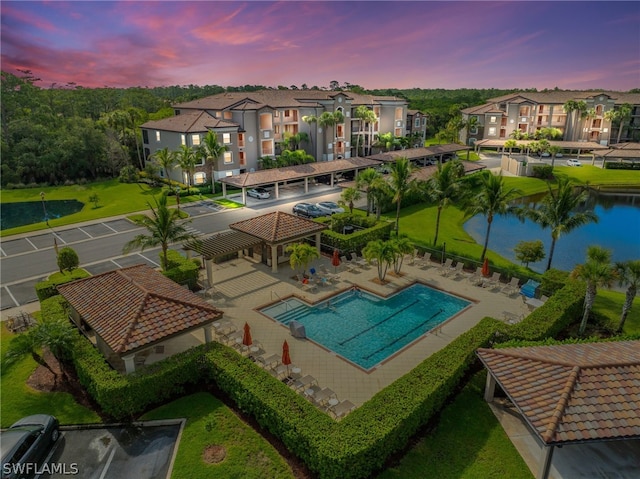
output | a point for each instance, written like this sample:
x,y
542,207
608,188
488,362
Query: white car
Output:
x,y
329,207
259,193
574,163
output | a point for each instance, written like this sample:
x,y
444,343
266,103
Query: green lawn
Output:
x,y
609,305
468,443
210,422
19,400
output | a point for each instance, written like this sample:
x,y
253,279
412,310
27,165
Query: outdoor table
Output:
x,y
325,394
534,303
333,402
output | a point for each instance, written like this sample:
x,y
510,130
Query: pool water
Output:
x,y
366,329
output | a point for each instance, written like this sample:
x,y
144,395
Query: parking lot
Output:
x,y
143,451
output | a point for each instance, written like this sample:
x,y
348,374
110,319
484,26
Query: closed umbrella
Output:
x,y
246,337
286,358
335,260
485,268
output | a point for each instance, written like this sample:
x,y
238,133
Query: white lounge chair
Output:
x,y
458,271
351,266
341,409
512,287
494,281
444,269
361,262
476,278
424,261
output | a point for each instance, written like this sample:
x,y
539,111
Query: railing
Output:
x,y
286,304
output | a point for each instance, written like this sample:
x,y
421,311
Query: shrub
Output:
x,y
67,259
372,230
623,165
182,270
544,172
129,174
552,280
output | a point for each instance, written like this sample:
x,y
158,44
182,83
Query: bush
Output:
x,y
623,165
372,230
544,172
129,174
182,270
47,289
552,280
67,259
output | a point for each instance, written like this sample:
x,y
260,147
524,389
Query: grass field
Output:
x,y
608,304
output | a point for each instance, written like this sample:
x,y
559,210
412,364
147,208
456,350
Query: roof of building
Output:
x,y
623,153
136,306
422,152
189,122
572,392
278,227
280,99
426,172
296,172
572,145
226,242
627,146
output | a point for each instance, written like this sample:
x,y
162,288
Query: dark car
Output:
x,y
307,210
26,444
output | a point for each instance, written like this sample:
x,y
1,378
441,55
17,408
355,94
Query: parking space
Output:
x,y
132,259
22,293
96,230
118,226
16,246
41,241
141,451
201,208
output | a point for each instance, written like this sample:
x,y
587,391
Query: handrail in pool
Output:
x,y
286,304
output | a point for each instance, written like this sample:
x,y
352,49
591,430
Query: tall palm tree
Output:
x,y
325,121
493,199
596,271
587,115
186,158
400,184
363,114
164,226
212,150
628,275
558,212
570,108
382,252
349,196
620,116
401,247
367,180
510,144
309,120
166,159
443,187
553,151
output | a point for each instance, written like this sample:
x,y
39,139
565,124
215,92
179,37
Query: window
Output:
x,y
424,121
241,158
492,131
228,115
276,114
199,178
228,157
199,160
183,139
157,136
399,115
195,140
524,111
145,136
417,122
599,109
241,140
493,119
266,121
267,147
398,132
226,138
340,130
597,123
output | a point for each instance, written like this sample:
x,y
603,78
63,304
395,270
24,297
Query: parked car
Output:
x,y
307,210
326,179
574,163
259,193
329,207
26,444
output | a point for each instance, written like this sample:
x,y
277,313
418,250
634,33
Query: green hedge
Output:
x,y
373,230
182,270
610,165
48,288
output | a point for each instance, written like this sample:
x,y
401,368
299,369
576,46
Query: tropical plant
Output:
x,y
186,158
628,275
383,254
349,196
493,199
619,116
164,227
529,252
309,120
587,115
166,160
444,187
365,115
558,212
400,184
328,119
596,271
67,259
386,141
510,144
401,247
571,107
212,150
301,255
553,151
95,199
368,180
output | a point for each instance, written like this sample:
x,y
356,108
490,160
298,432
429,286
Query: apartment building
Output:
x,y
416,125
252,124
530,111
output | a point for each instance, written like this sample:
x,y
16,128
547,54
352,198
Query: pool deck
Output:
x,y
245,285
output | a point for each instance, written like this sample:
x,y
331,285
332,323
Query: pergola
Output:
x,y
579,146
570,393
276,230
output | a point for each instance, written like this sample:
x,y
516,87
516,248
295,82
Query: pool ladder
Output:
x,y
286,304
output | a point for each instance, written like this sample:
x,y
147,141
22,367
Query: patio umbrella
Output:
x,y
246,337
335,260
286,358
485,267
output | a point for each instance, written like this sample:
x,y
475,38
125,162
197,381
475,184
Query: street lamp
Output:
x,y
178,197
44,208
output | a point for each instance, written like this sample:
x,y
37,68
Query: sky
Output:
x,y
374,44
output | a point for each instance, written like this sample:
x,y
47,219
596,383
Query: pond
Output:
x,y
617,229
30,212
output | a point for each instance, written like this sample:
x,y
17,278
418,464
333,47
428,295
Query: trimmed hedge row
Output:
x,y
358,239
182,270
48,288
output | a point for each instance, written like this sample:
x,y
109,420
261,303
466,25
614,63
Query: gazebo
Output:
x,y
571,393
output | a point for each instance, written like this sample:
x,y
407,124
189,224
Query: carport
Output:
x,y
571,394
619,155
566,146
421,154
276,176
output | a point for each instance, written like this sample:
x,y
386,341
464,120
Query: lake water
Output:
x,y
618,229
30,212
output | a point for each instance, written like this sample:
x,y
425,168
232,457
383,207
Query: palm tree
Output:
x,y
166,160
494,199
570,108
164,227
511,144
443,188
349,196
401,247
587,115
301,255
325,121
553,151
621,115
558,212
186,158
212,150
309,119
367,180
628,275
382,252
400,184
596,271
361,114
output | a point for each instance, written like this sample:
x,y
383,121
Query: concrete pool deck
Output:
x,y
245,285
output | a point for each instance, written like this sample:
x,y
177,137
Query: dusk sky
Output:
x,y
453,44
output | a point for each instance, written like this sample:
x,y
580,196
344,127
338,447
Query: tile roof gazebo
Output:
x,y
570,393
130,310
278,229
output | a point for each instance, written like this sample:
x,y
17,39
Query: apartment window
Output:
x,y
217,114
226,138
199,160
340,130
199,178
424,121
597,123
195,140
267,148
493,119
157,136
145,136
398,132
228,115
228,157
503,106
524,111
276,114
183,139
266,121
599,109
399,113
492,131
241,140
473,130
276,130
242,158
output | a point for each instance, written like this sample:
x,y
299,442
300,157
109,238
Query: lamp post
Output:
x,y
178,197
44,208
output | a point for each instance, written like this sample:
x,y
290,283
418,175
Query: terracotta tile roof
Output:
x,y
573,145
626,146
572,392
136,306
278,226
422,152
626,153
189,122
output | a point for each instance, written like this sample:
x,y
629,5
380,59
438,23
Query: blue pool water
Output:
x,y
365,328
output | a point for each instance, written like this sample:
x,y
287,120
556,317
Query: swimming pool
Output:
x,y
365,328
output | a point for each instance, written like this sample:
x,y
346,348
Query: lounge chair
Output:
x,y
310,287
424,261
446,267
303,383
512,287
512,318
359,261
476,278
351,266
493,282
341,409
458,271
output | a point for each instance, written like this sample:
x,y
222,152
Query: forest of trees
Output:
x,y
69,134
